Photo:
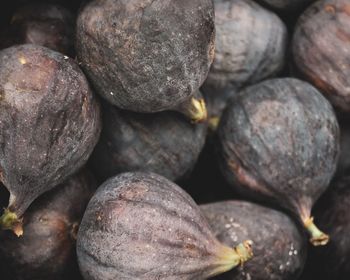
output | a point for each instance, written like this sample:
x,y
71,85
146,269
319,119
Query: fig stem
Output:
x,y
232,258
318,238
214,123
195,109
10,221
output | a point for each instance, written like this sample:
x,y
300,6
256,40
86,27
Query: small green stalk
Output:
x,y
10,221
318,238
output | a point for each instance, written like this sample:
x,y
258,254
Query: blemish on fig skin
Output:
x,y
330,9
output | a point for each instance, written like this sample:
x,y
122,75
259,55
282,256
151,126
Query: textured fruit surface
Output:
x,y
279,246
146,55
42,24
250,45
164,143
47,248
49,122
142,226
279,141
321,47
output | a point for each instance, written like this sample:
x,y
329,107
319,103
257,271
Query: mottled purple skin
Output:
x,y
321,46
333,215
47,248
49,122
142,226
44,24
146,55
250,46
279,246
164,143
279,142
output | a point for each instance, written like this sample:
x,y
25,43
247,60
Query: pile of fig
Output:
x,y
174,140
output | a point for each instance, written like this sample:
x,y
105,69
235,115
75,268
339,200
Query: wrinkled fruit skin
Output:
x,y
44,24
250,45
279,142
146,56
49,121
164,143
279,247
47,248
333,212
321,47
142,226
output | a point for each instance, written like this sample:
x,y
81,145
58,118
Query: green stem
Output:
x,y
194,109
10,221
318,238
231,258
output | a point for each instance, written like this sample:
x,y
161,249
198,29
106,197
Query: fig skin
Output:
x,y
343,166
44,24
147,56
142,226
47,248
164,143
333,216
321,49
278,142
49,124
279,246
250,46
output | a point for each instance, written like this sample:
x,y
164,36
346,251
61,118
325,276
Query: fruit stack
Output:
x,y
175,140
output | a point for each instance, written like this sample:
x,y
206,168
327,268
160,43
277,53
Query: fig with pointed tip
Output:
x,y
142,226
250,46
164,143
148,56
47,249
278,243
42,24
321,46
279,142
49,124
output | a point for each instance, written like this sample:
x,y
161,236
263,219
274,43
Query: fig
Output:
x,y
250,46
43,24
333,215
47,249
321,48
343,166
49,124
142,226
279,246
148,55
164,143
278,142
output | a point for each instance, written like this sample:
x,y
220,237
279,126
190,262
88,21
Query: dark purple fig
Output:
x,y
164,143
279,142
250,45
333,215
43,24
321,47
142,226
343,167
148,55
49,124
47,248
279,247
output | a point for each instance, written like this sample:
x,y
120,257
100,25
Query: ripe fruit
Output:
x,y
148,56
279,142
164,143
279,247
47,248
321,49
49,124
142,226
